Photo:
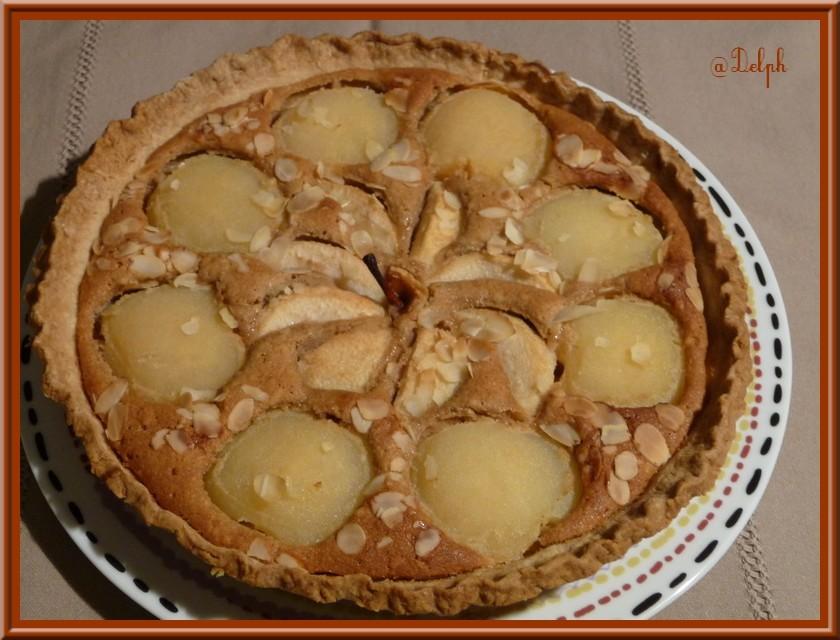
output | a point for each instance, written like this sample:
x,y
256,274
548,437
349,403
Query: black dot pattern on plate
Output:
x,y
706,552
732,520
752,485
644,605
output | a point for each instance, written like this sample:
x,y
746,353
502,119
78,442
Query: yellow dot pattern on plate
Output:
x,y
663,538
634,561
617,571
574,592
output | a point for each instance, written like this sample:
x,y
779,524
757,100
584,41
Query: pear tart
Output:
x,y
411,323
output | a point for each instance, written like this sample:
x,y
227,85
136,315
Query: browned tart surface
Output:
x,y
408,322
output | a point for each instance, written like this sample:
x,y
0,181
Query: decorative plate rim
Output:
x,y
637,586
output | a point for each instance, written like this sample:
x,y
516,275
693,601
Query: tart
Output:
x,y
408,322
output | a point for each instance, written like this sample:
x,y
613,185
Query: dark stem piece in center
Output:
x,y
373,265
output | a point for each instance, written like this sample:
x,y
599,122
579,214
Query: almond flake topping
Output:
x,y
255,392
361,242
626,465
206,419
286,169
263,144
116,422
259,549
695,297
580,407
351,539
494,213
362,425
517,173
451,200
398,464
373,408
188,281
241,415
618,489
285,560
403,173
228,318
389,507
174,184
665,280
184,261
651,444
110,397
305,200
534,262
427,541
268,487
373,149
662,251
605,167
116,232
177,439
615,431
198,395
191,326
402,440
384,542
261,239
513,232
670,417
148,267
568,148
562,432
159,439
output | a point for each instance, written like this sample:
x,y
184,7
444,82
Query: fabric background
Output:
x,y
762,143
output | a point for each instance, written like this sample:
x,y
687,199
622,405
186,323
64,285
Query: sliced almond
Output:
x,y
159,439
590,270
351,539
260,240
373,150
479,350
191,326
517,174
255,392
651,444
263,144
116,422
268,487
426,542
402,440
494,213
241,414
110,397
116,232
178,440
307,199
580,407
373,408
568,147
513,232
206,419
228,318
398,464
670,417
618,489
562,432
403,173
259,549
615,432
286,169
362,424
384,542
695,296
626,465
285,560
361,242
662,251
148,267
184,261
665,280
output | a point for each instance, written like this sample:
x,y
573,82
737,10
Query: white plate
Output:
x,y
157,573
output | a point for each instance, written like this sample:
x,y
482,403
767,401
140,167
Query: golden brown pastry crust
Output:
x,y
121,154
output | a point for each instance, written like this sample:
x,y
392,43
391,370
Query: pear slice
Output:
x,y
337,125
628,353
528,362
348,361
492,487
214,203
586,230
315,304
485,132
293,476
165,339
477,266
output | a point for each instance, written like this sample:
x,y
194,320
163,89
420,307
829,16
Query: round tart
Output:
x,y
412,323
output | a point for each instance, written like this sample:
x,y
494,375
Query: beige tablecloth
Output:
x,y
762,143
